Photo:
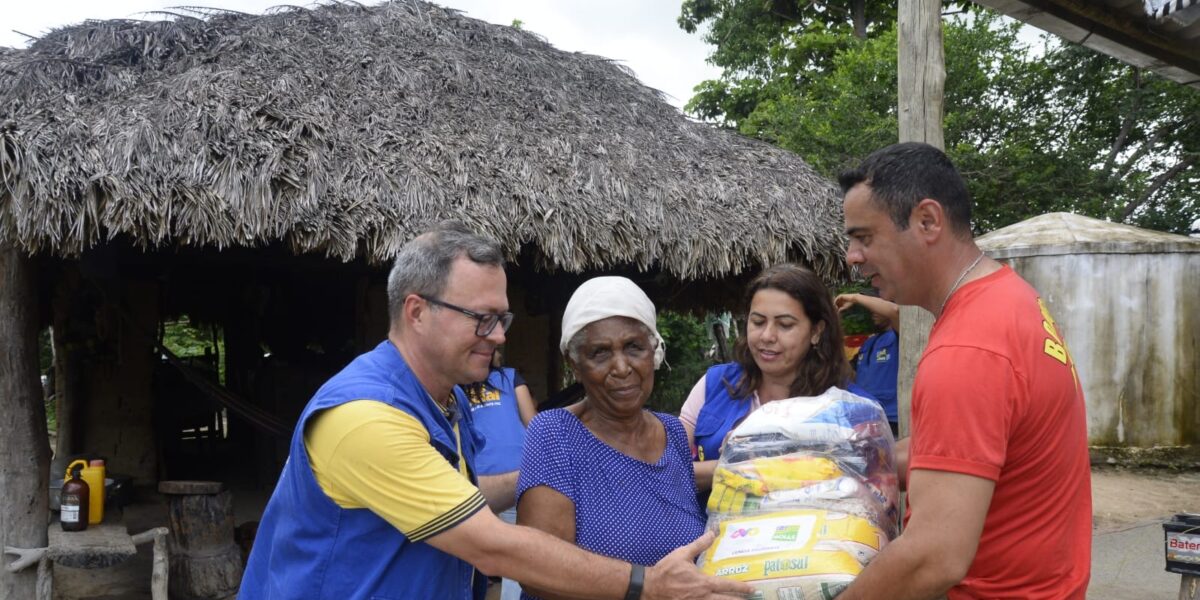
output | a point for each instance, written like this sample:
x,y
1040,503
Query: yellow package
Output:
x,y
817,545
739,487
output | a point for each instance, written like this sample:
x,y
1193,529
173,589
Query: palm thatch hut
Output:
x,y
256,172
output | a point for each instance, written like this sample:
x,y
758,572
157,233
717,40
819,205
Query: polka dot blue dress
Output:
x,y
624,508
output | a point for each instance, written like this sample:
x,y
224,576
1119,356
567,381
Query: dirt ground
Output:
x,y
1123,497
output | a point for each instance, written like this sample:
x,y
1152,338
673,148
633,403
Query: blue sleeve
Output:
x,y
544,459
677,439
517,380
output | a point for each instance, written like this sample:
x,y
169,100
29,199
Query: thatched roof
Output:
x,y
345,130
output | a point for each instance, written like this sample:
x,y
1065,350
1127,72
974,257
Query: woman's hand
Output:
x,y
844,302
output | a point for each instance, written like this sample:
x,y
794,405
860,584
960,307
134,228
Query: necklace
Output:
x,y
959,281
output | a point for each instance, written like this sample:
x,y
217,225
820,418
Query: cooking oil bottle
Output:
x,y
73,515
93,475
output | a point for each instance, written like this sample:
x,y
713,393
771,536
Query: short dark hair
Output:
x,y
825,364
423,264
901,175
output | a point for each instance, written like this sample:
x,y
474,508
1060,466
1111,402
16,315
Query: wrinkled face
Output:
x,y
462,356
615,364
778,333
881,251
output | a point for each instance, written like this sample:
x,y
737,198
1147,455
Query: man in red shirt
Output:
x,y
997,470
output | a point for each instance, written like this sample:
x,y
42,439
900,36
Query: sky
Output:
x,y
640,33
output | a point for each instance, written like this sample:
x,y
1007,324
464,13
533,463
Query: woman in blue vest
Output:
x,y
791,346
501,408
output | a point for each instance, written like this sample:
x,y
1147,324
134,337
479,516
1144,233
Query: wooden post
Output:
x,y
45,579
24,442
159,570
921,75
921,71
1189,587
159,578
71,324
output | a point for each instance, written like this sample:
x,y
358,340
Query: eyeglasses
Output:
x,y
485,323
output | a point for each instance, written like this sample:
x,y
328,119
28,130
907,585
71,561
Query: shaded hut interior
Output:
x,y
279,326
256,173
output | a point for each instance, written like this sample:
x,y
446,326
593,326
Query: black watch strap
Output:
x,y
637,577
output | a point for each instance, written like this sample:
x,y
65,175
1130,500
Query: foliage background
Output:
x,y
688,346
1034,128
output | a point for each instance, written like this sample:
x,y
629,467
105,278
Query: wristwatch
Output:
x,y
636,578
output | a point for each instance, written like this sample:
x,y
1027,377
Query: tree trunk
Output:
x,y
1158,183
24,443
858,14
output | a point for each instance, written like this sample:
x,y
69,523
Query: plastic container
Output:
x,y
1181,542
73,511
92,472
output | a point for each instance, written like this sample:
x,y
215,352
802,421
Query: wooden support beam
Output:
x,y
159,571
1127,35
921,71
24,442
922,80
1189,587
25,557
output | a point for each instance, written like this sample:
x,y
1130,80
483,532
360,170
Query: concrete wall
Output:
x,y
1132,324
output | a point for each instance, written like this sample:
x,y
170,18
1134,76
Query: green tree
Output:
x,y
1060,129
189,340
687,355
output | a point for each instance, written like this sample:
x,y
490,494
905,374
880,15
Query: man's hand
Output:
x,y
675,576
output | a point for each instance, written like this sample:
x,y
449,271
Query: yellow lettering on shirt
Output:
x,y
1054,346
1055,350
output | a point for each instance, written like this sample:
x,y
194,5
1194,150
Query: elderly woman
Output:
x,y
605,473
791,346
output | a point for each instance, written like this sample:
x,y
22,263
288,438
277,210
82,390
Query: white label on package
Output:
x,y
1182,547
760,536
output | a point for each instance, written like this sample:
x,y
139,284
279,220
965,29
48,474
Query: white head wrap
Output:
x,y
603,297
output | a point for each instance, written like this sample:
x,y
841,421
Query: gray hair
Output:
x,y
423,264
576,341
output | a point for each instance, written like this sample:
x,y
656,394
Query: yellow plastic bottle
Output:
x,y
93,473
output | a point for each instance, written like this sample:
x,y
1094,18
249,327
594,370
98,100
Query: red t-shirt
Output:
x,y
996,396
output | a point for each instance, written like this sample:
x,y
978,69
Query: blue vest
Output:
x,y
877,369
309,547
498,420
722,412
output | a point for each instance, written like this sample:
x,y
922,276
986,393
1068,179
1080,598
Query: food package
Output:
x,y
804,496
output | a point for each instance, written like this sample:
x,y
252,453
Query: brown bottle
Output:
x,y
74,502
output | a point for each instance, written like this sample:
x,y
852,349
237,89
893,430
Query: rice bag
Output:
x,y
804,496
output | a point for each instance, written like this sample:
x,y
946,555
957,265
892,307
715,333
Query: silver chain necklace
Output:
x,y
959,281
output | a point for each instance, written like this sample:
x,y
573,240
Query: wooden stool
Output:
x,y
206,563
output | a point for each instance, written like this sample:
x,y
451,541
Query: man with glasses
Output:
x,y
377,499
